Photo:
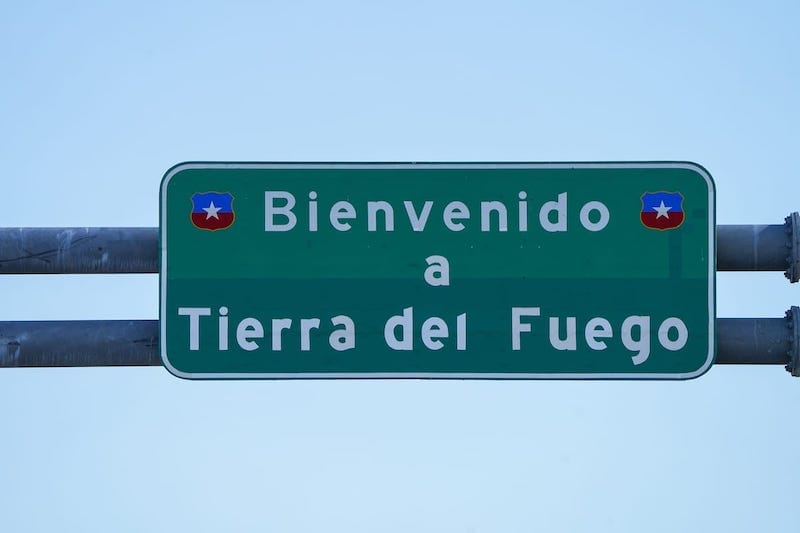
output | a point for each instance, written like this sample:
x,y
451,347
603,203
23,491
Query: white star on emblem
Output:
x,y
212,210
661,210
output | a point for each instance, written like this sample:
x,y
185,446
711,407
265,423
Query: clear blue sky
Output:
x,y
97,100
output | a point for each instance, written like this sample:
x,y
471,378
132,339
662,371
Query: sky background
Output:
x,y
98,100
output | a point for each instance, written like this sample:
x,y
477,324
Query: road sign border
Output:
x,y
173,171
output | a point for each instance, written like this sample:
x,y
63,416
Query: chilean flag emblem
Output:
x,y
212,210
662,210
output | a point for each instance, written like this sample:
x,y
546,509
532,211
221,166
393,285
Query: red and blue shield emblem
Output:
x,y
662,210
212,210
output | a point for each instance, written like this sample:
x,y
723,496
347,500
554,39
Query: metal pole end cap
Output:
x,y
793,227
793,324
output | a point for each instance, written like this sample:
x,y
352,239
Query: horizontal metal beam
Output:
x,y
135,250
79,343
742,341
755,248
754,341
78,250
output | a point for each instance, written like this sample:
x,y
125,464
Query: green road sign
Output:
x,y
443,270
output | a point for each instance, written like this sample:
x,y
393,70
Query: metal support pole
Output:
x,y
79,343
741,341
760,247
135,250
78,250
752,248
753,341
